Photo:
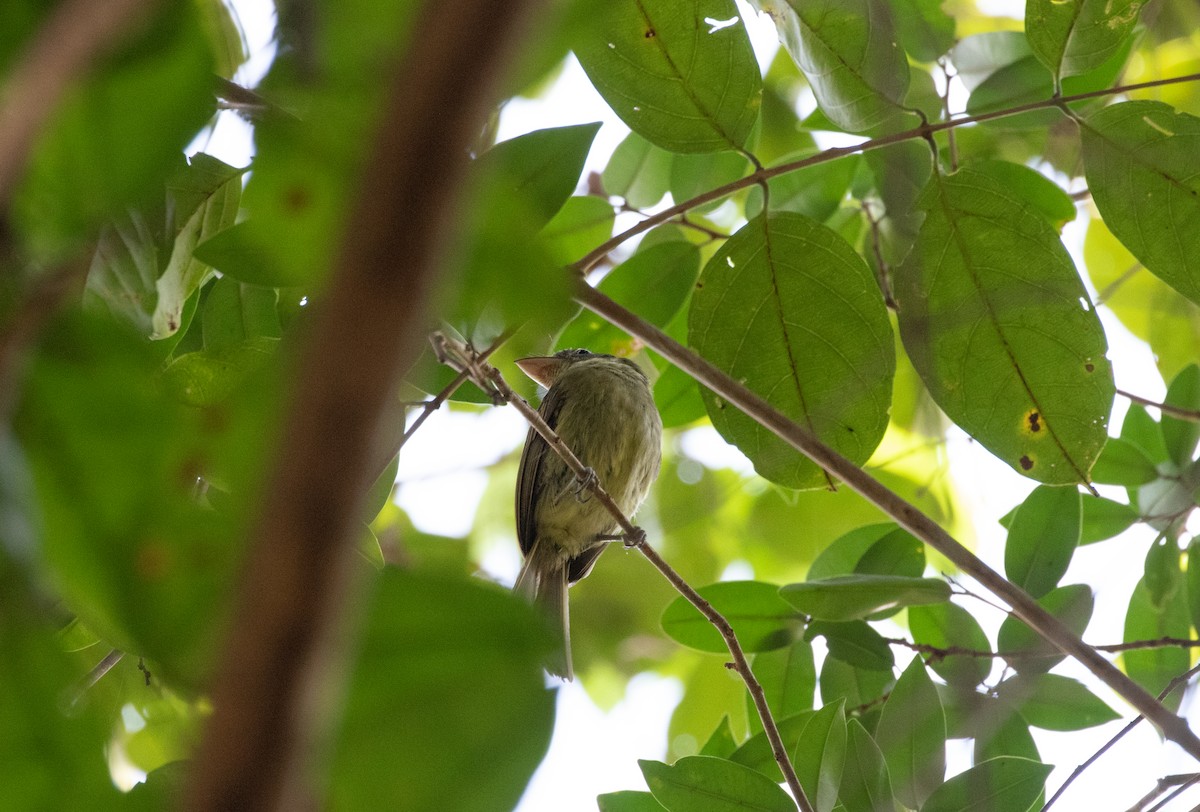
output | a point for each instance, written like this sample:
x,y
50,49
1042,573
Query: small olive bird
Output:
x,y
602,409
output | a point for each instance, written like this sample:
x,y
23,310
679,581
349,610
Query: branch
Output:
x,y
279,656
1182,679
924,131
101,668
488,378
906,515
942,652
75,34
1191,415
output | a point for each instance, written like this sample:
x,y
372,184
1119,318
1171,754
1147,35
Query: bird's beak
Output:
x,y
542,368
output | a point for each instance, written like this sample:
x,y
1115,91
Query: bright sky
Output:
x,y
593,751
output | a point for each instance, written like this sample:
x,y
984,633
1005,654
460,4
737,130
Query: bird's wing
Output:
x,y
530,470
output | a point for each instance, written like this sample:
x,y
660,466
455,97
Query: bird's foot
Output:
x,y
635,539
585,484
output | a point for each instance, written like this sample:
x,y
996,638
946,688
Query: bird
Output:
x,y
602,408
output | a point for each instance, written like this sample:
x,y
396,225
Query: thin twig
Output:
x,y
942,652
490,380
1190,415
904,513
92,677
1182,679
926,130
1177,783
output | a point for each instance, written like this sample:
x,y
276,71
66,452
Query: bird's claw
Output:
x,y
635,539
585,484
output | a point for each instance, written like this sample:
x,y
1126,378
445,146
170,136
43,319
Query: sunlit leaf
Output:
x,y
708,784
761,619
788,282
853,597
1042,538
1078,35
977,295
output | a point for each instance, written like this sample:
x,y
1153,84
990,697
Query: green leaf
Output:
x,y
1042,538
1144,432
1182,435
1033,188
1154,668
848,51
1079,35
756,752
234,312
925,30
706,784
118,132
815,191
1104,518
721,743
1054,702
853,597
899,553
1026,650
788,678
693,174
901,172
819,755
866,786
858,686
1123,463
208,377
216,189
1003,784
912,736
841,557
761,619
678,74
1011,737
945,625
815,300
460,663
580,225
976,294
628,801
853,642
638,171
1142,160
653,283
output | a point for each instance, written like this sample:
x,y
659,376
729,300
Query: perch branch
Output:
x,y
907,515
1191,415
488,378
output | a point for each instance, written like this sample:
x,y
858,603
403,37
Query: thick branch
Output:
x,y
905,514
490,380
364,332
76,33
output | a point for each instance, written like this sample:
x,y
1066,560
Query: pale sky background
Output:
x,y
594,751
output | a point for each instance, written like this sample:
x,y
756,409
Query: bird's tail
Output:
x,y
543,580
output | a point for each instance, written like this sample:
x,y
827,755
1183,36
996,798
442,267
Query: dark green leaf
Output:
x,y
234,313
1003,784
1142,160
848,51
1004,736
757,754
706,784
901,172
1192,579
761,619
460,663
207,377
1033,189
899,553
628,801
580,225
1026,650
853,597
235,253
1162,575
853,642
693,174
866,786
1054,702
1078,36
816,300
788,678
925,30
985,277
677,396
944,625
721,743
1144,432
1104,518
1155,667
1042,538
675,73
912,736
1180,435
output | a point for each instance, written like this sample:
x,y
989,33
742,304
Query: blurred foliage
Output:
x,y
879,298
